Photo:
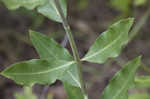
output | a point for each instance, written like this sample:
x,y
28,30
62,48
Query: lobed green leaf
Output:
x,y
122,81
40,71
109,43
48,48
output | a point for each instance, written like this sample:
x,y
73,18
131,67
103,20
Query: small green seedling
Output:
x,y
56,63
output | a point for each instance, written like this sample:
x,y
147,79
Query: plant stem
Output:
x,y
139,25
73,46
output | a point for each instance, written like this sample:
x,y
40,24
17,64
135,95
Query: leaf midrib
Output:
x,y
109,45
54,6
74,78
47,71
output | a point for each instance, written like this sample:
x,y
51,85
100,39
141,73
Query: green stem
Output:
x,y
28,93
73,46
139,25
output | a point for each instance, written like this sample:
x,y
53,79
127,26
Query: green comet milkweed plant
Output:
x,y
56,63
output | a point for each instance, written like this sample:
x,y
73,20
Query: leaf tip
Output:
x,y
31,31
32,34
140,57
7,72
138,60
131,20
4,73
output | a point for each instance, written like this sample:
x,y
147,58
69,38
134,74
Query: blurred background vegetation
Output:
x,y
88,19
